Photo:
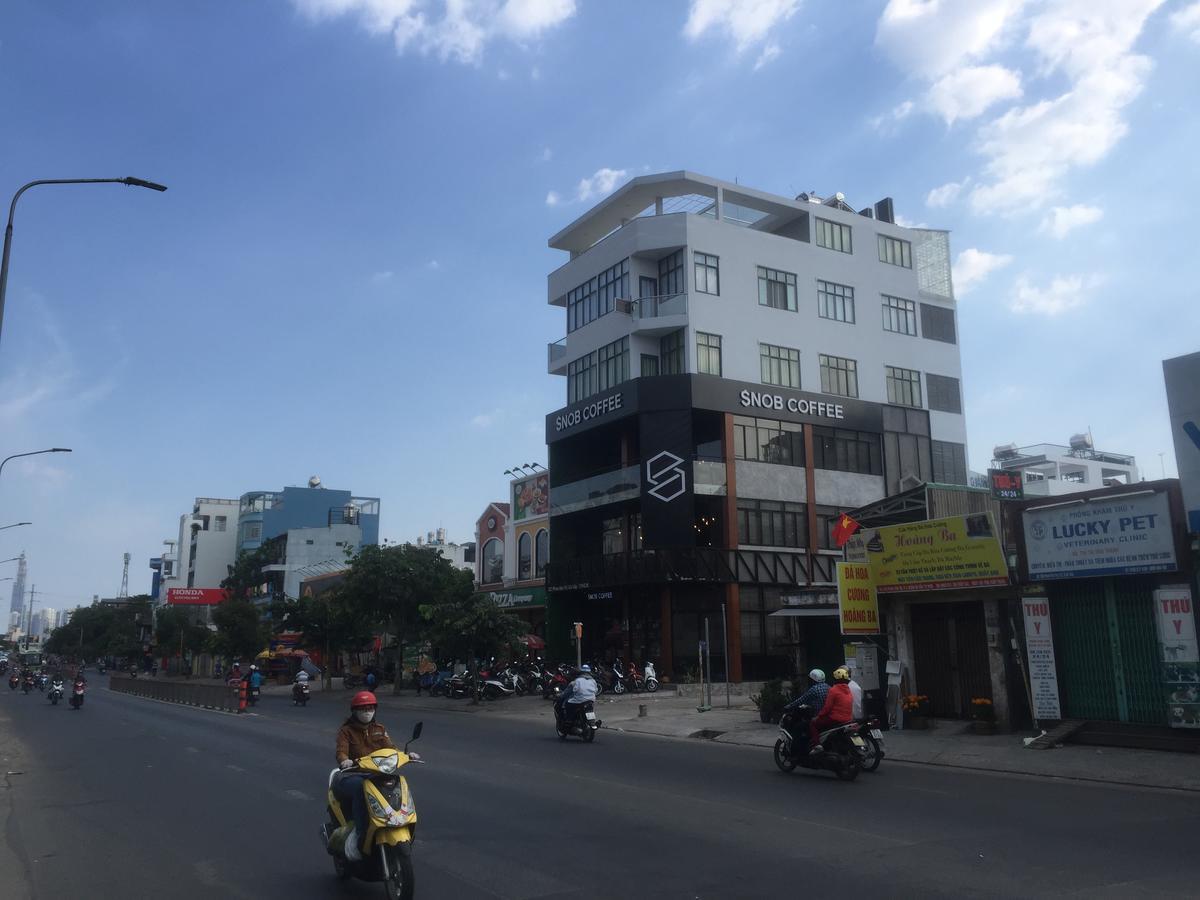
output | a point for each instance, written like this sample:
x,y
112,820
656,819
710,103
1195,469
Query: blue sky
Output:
x,y
347,275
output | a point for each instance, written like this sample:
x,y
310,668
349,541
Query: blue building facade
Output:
x,y
263,515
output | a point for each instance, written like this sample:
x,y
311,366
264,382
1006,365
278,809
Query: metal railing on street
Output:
x,y
189,693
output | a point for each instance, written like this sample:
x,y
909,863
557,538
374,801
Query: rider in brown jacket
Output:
x,y
359,736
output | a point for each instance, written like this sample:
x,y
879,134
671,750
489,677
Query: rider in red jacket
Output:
x,y
838,708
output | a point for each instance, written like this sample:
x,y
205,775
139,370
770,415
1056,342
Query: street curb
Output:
x,y
945,765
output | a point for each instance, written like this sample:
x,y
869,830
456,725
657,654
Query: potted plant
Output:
x,y
770,701
983,715
916,711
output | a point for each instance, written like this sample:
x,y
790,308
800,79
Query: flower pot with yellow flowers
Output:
x,y
916,711
983,715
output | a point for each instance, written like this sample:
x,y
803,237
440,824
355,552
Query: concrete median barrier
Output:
x,y
188,693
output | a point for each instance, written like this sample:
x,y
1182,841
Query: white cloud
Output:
x,y
946,194
899,113
599,184
487,419
747,22
972,266
770,52
1029,149
968,92
1187,21
904,222
433,265
552,198
1062,220
1064,293
450,29
381,277
931,37
547,154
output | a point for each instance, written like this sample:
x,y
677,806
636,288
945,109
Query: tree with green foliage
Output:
x,y
241,632
245,577
176,633
331,622
389,584
104,630
468,625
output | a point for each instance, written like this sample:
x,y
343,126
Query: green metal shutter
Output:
x,y
1082,650
1140,655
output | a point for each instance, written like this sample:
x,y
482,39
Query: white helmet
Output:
x,y
585,668
817,675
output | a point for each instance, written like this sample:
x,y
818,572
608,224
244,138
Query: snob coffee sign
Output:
x,y
594,409
1120,535
751,399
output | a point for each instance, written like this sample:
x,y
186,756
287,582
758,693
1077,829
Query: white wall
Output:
x,y
215,551
328,544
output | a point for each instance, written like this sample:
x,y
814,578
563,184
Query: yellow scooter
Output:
x,y
391,822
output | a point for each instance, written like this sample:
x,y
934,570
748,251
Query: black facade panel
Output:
x,y
668,497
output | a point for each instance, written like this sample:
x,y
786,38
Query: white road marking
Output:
x,y
235,768
297,795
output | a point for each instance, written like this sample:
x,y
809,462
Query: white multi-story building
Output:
x,y
302,551
1050,470
211,536
740,368
461,556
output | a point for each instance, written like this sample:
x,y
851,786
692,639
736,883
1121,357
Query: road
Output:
x,y
129,798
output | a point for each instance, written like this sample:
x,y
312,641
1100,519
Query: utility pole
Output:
x,y
125,579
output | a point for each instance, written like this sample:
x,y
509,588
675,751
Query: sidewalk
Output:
x,y
950,744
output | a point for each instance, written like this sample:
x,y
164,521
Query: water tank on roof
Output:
x,y
1081,441
1004,451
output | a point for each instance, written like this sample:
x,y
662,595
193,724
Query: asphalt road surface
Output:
x,y
129,798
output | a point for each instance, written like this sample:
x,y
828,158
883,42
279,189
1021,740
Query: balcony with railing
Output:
x,y
597,490
556,356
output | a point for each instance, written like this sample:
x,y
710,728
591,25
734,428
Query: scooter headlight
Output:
x,y
387,763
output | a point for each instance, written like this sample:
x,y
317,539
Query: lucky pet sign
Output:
x,y
1108,536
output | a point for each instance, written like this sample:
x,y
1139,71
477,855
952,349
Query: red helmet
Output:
x,y
363,698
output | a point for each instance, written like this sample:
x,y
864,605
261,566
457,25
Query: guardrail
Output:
x,y
209,696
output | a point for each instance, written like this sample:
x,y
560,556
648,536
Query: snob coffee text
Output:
x,y
593,410
764,400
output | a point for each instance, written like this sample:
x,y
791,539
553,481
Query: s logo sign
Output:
x,y
666,476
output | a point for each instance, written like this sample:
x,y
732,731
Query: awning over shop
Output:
x,y
805,612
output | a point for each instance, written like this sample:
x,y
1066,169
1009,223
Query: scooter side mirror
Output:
x,y
416,734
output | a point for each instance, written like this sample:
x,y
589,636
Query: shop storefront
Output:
x,y
1110,572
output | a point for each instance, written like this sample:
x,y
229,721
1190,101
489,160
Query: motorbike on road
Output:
x,y
14,681
27,684
576,718
56,691
300,693
841,752
77,695
391,817
650,678
872,751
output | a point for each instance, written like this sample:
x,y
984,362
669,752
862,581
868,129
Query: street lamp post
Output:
x,y
14,525
12,209
4,461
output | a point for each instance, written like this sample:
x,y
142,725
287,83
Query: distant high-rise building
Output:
x,y
18,590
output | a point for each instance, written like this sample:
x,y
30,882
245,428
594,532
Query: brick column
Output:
x,y
733,602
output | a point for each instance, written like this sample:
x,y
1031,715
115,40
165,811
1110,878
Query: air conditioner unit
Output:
x,y
908,482
624,306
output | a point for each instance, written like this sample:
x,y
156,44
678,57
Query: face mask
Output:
x,y
364,715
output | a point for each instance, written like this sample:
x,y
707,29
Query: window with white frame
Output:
x,y
895,252
903,386
780,365
708,353
839,375
834,236
707,278
835,301
776,289
899,315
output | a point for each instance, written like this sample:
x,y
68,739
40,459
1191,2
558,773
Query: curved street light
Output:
x,y
12,209
14,559
14,525
31,452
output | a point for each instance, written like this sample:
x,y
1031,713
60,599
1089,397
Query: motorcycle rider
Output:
x,y
300,684
838,708
580,691
359,736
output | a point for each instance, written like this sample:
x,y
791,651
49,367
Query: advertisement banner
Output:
x,y
519,598
934,555
1123,535
857,604
531,497
1043,672
1182,377
196,596
668,494
1175,612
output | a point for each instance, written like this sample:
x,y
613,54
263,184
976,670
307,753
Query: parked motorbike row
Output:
x,y
40,681
494,681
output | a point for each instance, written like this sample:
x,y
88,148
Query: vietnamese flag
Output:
x,y
845,527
